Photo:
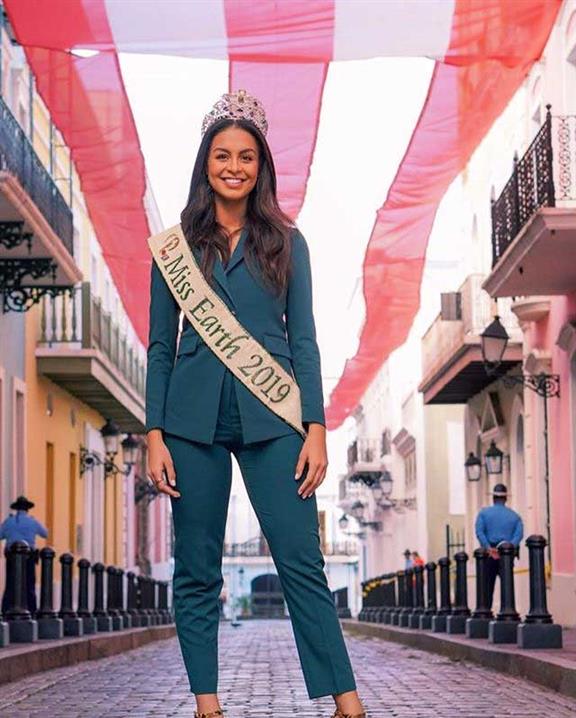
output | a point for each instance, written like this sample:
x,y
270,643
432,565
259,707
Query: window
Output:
x,y
410,471
386,443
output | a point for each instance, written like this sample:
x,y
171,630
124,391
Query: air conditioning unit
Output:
x,y
451,306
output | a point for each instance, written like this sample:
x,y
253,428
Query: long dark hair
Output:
x,y
268,241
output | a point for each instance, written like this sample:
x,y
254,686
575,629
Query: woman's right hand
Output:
x,y
160,464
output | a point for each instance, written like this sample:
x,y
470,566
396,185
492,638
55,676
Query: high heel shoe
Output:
x,y
218,712
338,714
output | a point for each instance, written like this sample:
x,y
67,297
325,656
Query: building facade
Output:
x,y
517,200
70,360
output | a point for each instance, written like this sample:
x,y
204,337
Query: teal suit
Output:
x,y
206,415
183,384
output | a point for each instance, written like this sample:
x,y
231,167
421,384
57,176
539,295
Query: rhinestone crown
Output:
x,y
237,106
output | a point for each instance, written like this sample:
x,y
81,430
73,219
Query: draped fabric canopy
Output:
x,y
280,51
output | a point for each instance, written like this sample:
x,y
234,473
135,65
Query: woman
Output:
x,y
198,411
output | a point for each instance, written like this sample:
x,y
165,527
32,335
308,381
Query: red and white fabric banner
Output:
x,y
281,51
493,44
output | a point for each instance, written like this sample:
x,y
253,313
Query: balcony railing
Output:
x,y
444,338
77,319
18,157
257,547
364,451
545,176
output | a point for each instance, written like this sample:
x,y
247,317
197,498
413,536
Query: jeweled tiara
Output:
x,y
237,106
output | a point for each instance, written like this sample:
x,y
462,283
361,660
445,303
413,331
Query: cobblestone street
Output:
x,y
260,676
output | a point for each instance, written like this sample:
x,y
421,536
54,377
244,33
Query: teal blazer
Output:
x,y
184,381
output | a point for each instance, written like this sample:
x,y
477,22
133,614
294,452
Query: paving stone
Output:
x,y
260,677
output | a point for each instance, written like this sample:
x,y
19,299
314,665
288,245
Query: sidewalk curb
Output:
x,y
22,660
544,667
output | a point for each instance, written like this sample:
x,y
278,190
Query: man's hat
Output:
x,y
21,504
500,490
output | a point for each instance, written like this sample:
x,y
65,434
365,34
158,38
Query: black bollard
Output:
x,y
111,601
383,598
418,597
103,620
368,604
340,600
89,623
22,627
456,621
122,603
116,580
72,624
380,599
369,601
132,599
166,606
426,617
362,611
389,598
408,598
46,609
401,603
477,624
160,610
151,608
504,629
142,601
538,629
442,613
49,625
154,598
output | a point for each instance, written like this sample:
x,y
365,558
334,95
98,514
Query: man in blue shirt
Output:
x,y
22,527
495,524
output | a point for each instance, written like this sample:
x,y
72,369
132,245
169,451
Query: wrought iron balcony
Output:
x,y
534,218
452,366
36,224
82,347
365,460
18,157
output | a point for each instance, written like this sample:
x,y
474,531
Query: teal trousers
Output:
x,y
290,525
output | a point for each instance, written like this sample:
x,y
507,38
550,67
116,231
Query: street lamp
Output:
x,y
111,436
357,511
343,522
130,447
110,433
494,340
473,467
493,459
382,489
386,482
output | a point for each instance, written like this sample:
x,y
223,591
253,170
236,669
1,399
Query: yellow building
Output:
x,y
69,359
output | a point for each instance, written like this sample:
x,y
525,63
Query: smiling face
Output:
x,y
233,162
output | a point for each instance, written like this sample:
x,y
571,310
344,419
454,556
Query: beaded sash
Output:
x,y
221,331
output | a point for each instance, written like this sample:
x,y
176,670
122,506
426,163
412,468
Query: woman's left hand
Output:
x,y
314,454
